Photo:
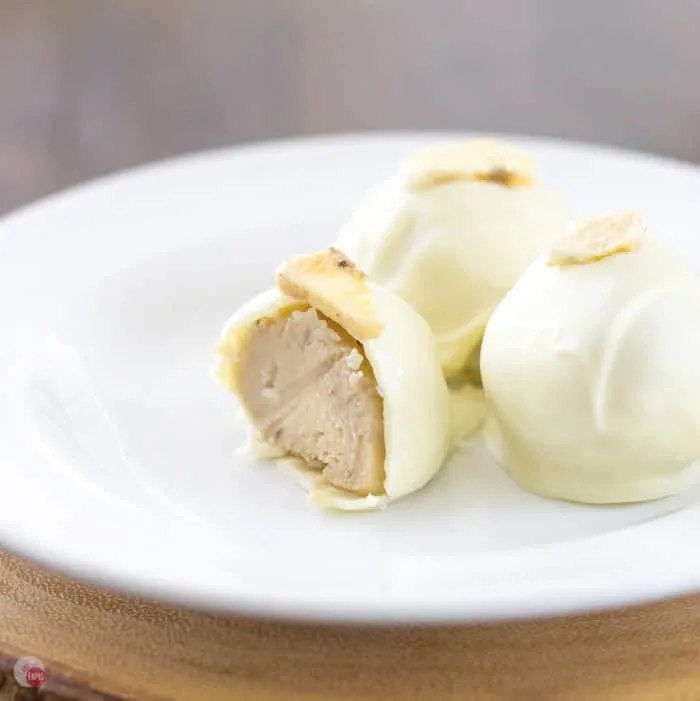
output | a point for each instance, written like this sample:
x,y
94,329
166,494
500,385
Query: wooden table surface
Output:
x,y
90,87
95,643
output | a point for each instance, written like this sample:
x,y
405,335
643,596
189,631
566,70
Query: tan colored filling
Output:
x,y
309,390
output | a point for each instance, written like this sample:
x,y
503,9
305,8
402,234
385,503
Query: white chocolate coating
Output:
x,y
593,377
416,401
453,246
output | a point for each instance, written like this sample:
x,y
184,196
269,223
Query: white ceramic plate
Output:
x,y
117,449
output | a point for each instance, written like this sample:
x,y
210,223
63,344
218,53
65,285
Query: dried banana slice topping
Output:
x,y
595,239
479,159
330,282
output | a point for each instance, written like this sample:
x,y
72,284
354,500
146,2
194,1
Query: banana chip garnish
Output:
x,y
480,159
330,282
599,238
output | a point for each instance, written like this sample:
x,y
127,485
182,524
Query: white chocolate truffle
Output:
x,y
590,367
343,375
451,232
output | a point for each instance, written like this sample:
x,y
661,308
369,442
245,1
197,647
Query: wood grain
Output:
x,y
94,641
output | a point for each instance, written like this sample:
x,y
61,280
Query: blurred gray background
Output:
x,y
91,86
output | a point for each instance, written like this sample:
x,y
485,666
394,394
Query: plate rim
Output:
x,y
303,141
629,592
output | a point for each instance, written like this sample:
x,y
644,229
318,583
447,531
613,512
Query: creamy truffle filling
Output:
x,y
309,390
